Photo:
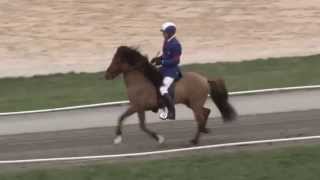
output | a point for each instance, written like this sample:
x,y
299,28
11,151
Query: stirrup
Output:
x,y
163,114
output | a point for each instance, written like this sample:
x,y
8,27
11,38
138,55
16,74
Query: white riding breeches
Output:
x,y
166,83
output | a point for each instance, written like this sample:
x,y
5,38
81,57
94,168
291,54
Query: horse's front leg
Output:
x,y
142,123
118,139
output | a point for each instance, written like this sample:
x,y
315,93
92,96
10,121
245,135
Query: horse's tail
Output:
x,y
219,95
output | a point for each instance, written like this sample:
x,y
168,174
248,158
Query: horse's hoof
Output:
x,y
161,139
194,142
117,140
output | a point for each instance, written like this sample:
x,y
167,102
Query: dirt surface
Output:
x,y
98,141
42,36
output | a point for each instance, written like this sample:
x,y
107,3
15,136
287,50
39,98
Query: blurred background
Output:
x,y
44,36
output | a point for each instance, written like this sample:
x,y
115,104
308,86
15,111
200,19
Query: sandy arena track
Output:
x,y
41,37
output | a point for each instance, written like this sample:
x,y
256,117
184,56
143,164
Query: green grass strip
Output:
x,y
59,90
281,164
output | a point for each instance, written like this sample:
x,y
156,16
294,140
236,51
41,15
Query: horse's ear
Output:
x,y
124,53
120,52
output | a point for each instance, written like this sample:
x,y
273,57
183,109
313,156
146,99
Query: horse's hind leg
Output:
x,y
206,113
142,123
127,113
201,120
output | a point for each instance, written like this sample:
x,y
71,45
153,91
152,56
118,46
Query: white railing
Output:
x,y
126,102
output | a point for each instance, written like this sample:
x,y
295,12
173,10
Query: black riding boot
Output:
x,y
170,105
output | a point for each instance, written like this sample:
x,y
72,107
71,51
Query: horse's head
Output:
x,y
124,60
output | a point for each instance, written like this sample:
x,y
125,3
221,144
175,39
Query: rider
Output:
x,y
169,61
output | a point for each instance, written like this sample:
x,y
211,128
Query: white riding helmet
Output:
x,y
168,27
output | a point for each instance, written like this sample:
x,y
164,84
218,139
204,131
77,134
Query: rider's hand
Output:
x,y
156,60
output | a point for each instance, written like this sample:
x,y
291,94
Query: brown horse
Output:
x,y
141,79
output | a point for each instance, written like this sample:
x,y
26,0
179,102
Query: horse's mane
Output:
x,y
141,63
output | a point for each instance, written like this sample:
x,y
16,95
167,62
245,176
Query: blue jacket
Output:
x,y
171,58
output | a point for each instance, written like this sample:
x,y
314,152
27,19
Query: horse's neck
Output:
x,y
135,77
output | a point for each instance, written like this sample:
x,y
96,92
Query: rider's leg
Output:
x,y
167,82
